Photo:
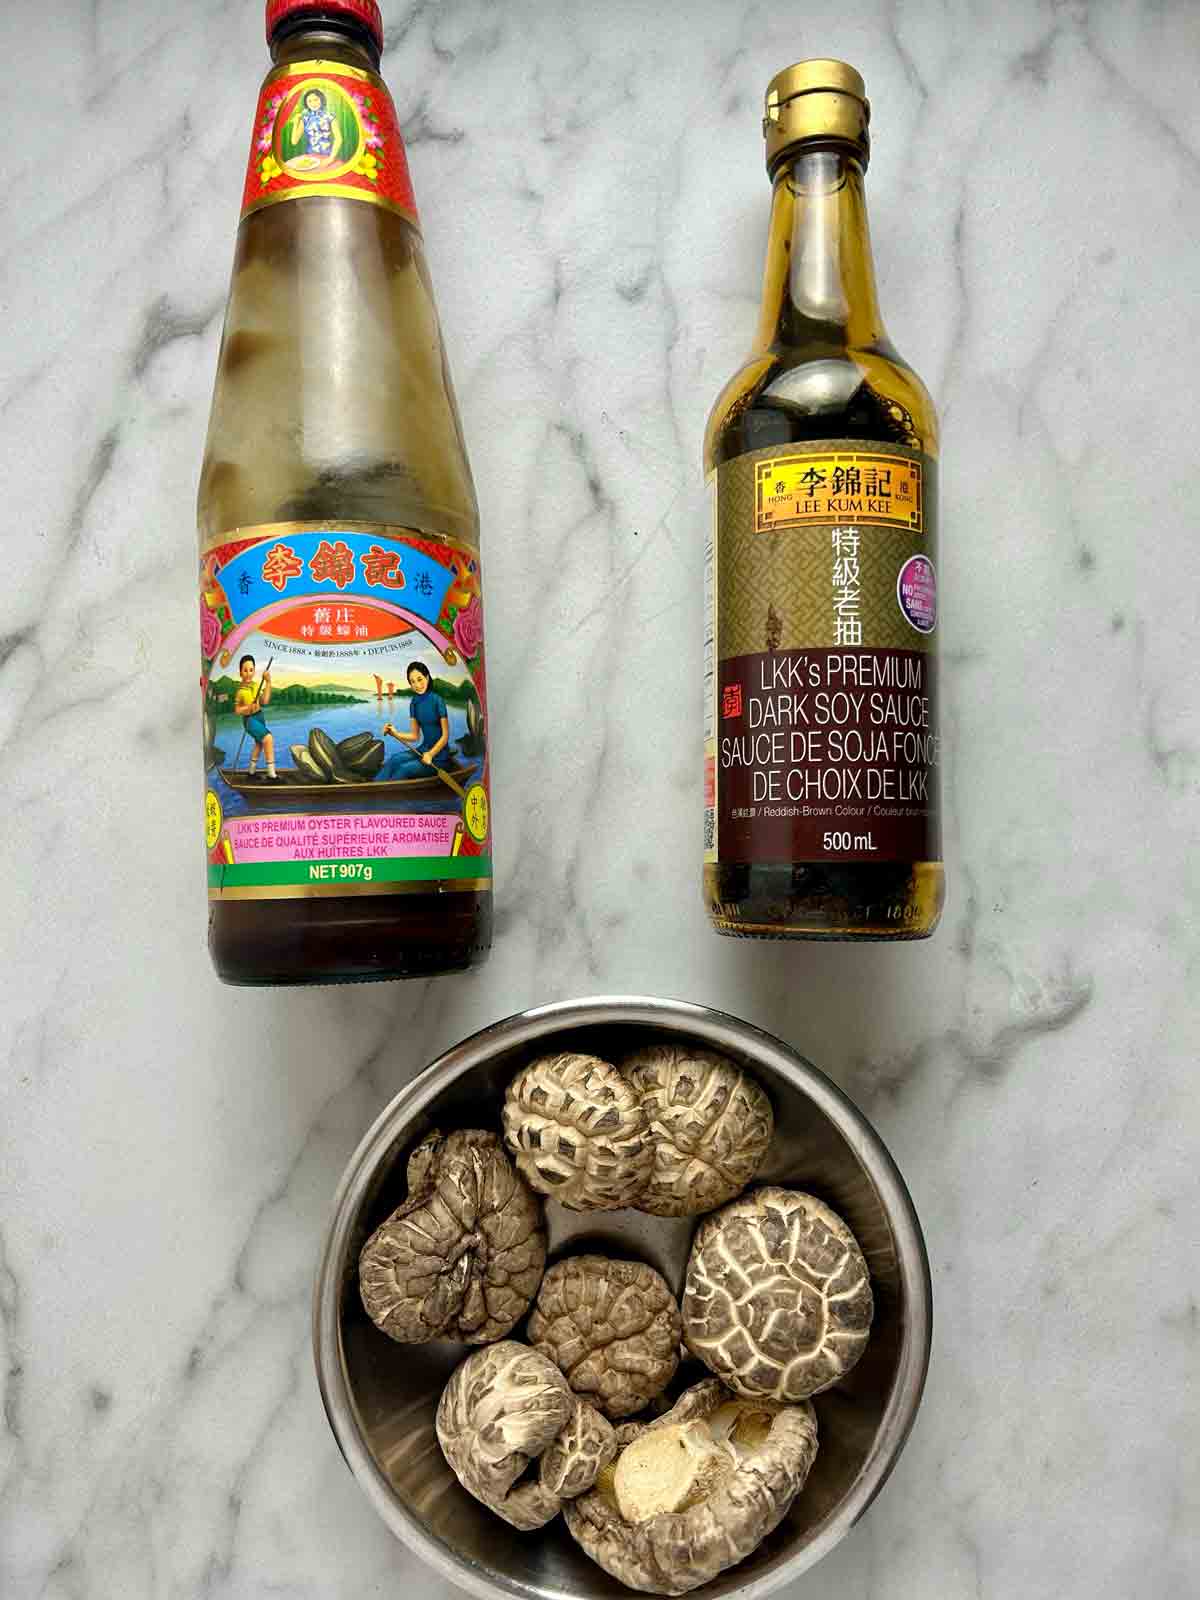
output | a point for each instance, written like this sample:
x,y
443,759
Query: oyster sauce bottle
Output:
x,y
345,706
822,748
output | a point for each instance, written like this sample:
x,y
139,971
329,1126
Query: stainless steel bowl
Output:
x,y
381,1397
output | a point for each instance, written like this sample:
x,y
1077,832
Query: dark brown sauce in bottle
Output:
x,y
822,368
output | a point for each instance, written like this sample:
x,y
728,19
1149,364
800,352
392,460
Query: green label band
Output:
x,y
411,869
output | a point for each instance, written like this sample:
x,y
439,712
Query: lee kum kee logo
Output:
x,y
840,486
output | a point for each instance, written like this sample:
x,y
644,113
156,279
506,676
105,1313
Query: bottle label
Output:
x,y
821,732
345,712
329,129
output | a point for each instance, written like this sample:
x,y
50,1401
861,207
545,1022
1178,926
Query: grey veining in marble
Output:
x,y
594,204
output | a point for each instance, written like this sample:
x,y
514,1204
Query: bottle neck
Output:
x,y
819,285
327,40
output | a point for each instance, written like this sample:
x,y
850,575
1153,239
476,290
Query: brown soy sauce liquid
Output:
x,y
333,403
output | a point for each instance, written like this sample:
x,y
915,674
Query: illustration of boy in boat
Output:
x,y
429,730
250,703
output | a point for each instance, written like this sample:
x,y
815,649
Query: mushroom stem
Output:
x,y
695,1492
669,1469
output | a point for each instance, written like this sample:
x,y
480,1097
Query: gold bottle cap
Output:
x,y
816,100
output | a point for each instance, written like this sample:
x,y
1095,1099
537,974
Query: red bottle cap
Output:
x,y
364,11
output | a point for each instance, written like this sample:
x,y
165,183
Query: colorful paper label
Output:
x,y
345,712
821,671
327,129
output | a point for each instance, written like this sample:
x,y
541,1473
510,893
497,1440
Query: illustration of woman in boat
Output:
x,y
428,737
314,125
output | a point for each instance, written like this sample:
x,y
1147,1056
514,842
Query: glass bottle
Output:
x,y
345,707
822,750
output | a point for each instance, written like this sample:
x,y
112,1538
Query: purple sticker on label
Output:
x,y
916,590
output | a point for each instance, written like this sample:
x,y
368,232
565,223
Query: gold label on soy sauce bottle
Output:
x,y
821,668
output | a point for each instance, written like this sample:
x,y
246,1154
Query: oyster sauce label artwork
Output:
x,y
820,656
329,129
345,712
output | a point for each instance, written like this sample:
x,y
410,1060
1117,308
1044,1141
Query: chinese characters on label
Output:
x,y
281,565
847,622
335,563
791,491
334,622
382,567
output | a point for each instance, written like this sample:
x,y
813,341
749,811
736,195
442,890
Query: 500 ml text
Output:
x,y
848,841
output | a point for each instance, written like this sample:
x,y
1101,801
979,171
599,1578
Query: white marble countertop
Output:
x,y
591,187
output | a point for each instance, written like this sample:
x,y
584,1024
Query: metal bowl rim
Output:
x,y
719,1029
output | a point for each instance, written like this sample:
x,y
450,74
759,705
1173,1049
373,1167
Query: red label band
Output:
x,y
326,129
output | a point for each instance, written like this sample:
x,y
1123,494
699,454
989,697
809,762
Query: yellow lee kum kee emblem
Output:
x,y
840,486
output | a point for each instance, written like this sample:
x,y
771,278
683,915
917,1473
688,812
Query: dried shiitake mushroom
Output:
x,y
612,1327
778,1298
506,1407
710,1127
580,1453
578,1132
696,1491
463,1256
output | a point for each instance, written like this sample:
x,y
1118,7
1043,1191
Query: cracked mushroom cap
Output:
x,y
710,1127
696,1491
463,1256
503,1409
577,1131
778,1298
581,1452
612,1327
